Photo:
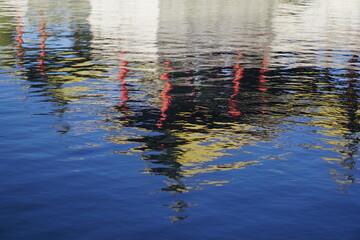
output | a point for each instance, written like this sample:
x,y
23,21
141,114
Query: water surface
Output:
x,y
165,119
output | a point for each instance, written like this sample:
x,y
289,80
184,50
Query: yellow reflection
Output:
x,y
215,183
220,167
198,146
210,145
336,116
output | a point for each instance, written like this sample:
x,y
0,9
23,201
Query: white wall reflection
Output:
x,y
144,28
121,25
315,33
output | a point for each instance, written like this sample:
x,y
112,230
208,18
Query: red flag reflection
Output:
x,y
43,38
262,84
165,96
19,33
124,96
234,110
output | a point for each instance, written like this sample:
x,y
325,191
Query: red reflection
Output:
x,y
168,66
262,84
234,110
124,96
262,77
19,33
165,96
164,76
41,58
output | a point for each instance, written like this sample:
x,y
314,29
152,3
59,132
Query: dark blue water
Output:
x,y
179,119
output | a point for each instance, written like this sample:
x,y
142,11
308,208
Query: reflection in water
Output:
x,y
124,91
206,94
239,74
41,59
217,91
350,142
195,128
165,96
179,206
19,40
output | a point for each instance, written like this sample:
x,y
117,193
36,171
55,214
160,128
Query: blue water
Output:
x,y
179,119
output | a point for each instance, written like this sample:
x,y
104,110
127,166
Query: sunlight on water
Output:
x,y
120,118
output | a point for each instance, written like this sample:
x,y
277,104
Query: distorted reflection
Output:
x,y
215,101
179,206
55,57
19,40
189,93
196,91
43,37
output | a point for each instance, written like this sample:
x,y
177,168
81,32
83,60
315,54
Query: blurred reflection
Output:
x,y
179,206
123,89
239,74
200,90
43,37
165,96
196,121
56,62
192,91
19,40
327,85
197,130
350,145
130,25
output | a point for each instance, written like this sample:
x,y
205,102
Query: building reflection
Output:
x,y
123,89
19,40
43,37
53,57
331,93
208,88
233,105
197,116
190,89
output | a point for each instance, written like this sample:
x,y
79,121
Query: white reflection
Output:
x,y
319,31
122,25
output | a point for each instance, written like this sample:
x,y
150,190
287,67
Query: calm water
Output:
x,y
168,119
